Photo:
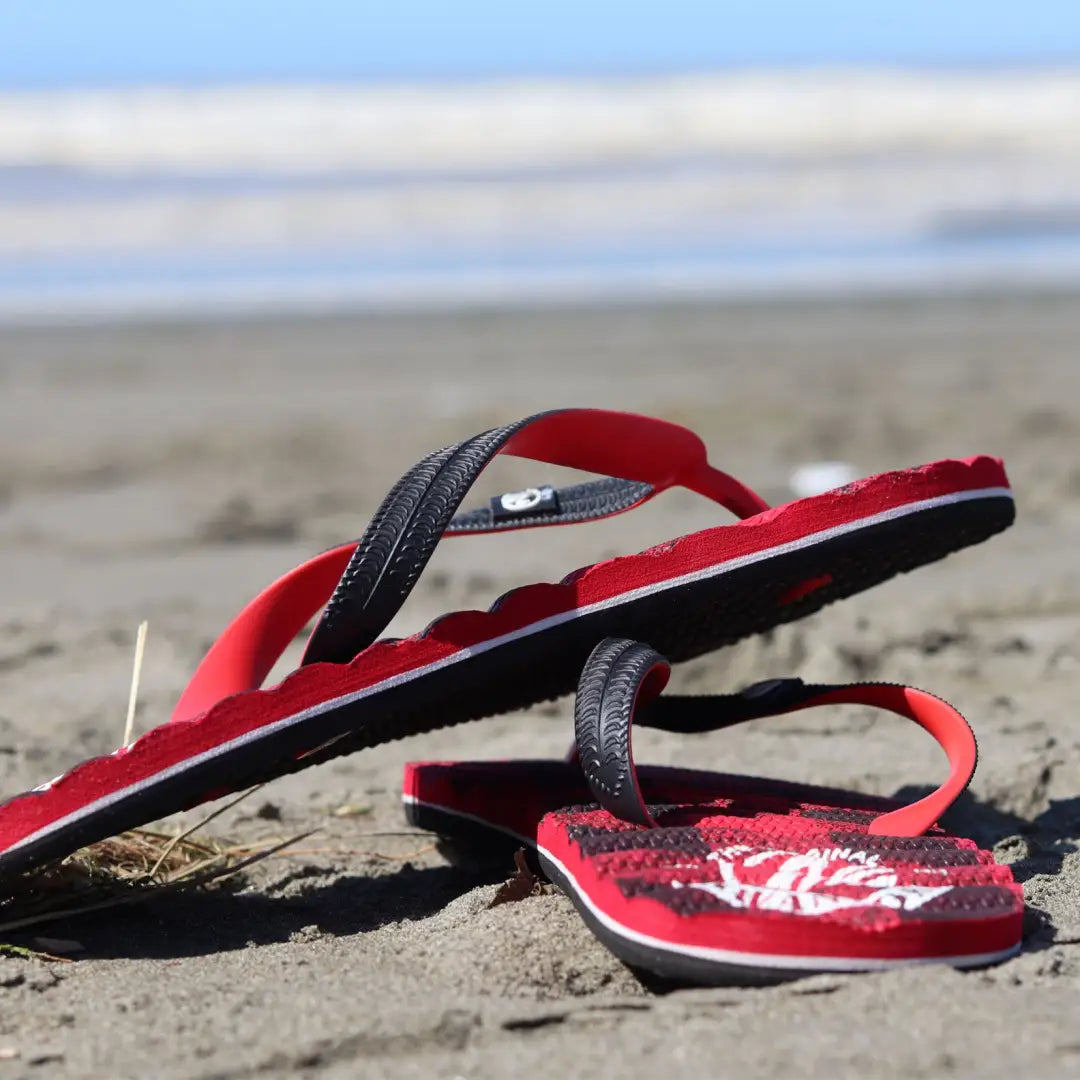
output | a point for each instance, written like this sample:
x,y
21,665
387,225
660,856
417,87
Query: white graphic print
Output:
x,y
799,885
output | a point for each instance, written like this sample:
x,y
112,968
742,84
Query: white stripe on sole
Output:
x,y
762,961
466,653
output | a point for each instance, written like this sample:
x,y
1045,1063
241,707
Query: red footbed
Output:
x,y
787,885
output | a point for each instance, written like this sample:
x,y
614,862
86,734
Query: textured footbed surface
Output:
x,y
530,647
751,880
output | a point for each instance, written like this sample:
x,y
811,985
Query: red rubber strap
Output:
x,y
635,448
940,719
243,655
613,443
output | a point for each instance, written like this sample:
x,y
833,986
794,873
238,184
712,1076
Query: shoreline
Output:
x,y
293,305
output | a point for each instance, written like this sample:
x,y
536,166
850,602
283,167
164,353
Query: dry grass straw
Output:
x,y
143,863
130,867
133,696
124,869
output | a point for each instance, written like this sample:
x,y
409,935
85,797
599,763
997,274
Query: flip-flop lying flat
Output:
x,y
688,596
712,878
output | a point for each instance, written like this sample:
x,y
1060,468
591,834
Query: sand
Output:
x,y
168,472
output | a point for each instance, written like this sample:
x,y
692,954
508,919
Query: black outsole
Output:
x,y
462,829
681,622
464,841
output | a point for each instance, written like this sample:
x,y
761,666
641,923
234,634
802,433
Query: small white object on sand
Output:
x,y
814,477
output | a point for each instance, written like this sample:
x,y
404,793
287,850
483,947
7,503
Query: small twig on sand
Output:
x,y
133,696
137,895
521,884
32,954
199,824
351,851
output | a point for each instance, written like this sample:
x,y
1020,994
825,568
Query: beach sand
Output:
x,y
168,472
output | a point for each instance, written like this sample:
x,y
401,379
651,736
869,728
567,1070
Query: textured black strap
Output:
x,y
692,714
397,545
419,511
546,505
619,672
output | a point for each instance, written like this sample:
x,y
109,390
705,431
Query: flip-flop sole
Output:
x,y
665,954
686,598
750,881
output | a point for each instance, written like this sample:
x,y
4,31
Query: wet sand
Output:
x,y
168,472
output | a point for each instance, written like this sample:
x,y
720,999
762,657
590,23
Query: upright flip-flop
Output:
x,y
688,596
713,878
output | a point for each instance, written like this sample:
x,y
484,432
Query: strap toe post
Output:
x,y
620,674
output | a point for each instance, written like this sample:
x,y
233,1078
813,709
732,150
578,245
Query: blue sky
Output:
x,y
54,43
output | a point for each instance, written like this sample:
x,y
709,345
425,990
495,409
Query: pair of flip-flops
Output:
x,y
690,874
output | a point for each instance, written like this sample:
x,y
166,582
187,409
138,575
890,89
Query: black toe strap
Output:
x,y
397,545
617,674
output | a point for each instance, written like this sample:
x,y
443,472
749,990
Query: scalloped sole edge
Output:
x,y
20,851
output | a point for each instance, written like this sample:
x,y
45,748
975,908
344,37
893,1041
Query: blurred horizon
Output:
x,y
253,155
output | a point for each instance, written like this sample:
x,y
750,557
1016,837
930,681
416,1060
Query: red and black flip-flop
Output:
x,y
688,596
712,878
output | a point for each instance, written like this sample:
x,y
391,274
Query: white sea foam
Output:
x,y
728,181
525,124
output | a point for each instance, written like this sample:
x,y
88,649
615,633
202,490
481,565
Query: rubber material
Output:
x,y
590,501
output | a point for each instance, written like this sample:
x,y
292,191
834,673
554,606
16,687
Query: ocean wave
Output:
x,y
528,125
143,295
255,197
841,199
